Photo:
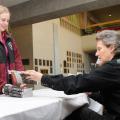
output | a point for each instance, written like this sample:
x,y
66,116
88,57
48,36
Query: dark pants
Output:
x,y
84,113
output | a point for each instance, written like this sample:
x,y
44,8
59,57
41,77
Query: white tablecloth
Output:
x,y
29,108
46,104
68,102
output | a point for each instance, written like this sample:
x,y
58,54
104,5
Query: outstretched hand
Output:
x,y
32,75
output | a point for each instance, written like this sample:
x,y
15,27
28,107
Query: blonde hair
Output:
x,y
4,9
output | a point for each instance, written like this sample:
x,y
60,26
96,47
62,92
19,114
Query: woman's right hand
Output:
x,y
32,75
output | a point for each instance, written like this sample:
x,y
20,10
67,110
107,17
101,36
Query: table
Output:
x,y
32,108
68,103
45,104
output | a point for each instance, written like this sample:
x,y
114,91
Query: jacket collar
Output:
x,y
117,56
6,36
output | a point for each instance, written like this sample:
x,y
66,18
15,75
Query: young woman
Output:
x,y
10,58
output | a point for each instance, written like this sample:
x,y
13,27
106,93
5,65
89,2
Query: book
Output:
x,y
18,78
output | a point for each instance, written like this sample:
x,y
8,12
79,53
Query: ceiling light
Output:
x,y
109,15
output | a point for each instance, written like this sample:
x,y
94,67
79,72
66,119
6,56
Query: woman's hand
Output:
x,y
32,75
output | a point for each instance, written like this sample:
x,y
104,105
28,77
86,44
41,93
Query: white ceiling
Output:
x,y
10,3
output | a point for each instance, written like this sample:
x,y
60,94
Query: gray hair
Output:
x,y
110,37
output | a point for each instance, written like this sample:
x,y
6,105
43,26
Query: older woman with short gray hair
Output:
x,y
105,79
110,37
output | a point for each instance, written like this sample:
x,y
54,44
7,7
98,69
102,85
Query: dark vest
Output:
x,y
3,57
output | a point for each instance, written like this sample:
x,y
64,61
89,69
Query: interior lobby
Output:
x,y
57,37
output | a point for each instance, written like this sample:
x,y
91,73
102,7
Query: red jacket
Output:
x,y
13,60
